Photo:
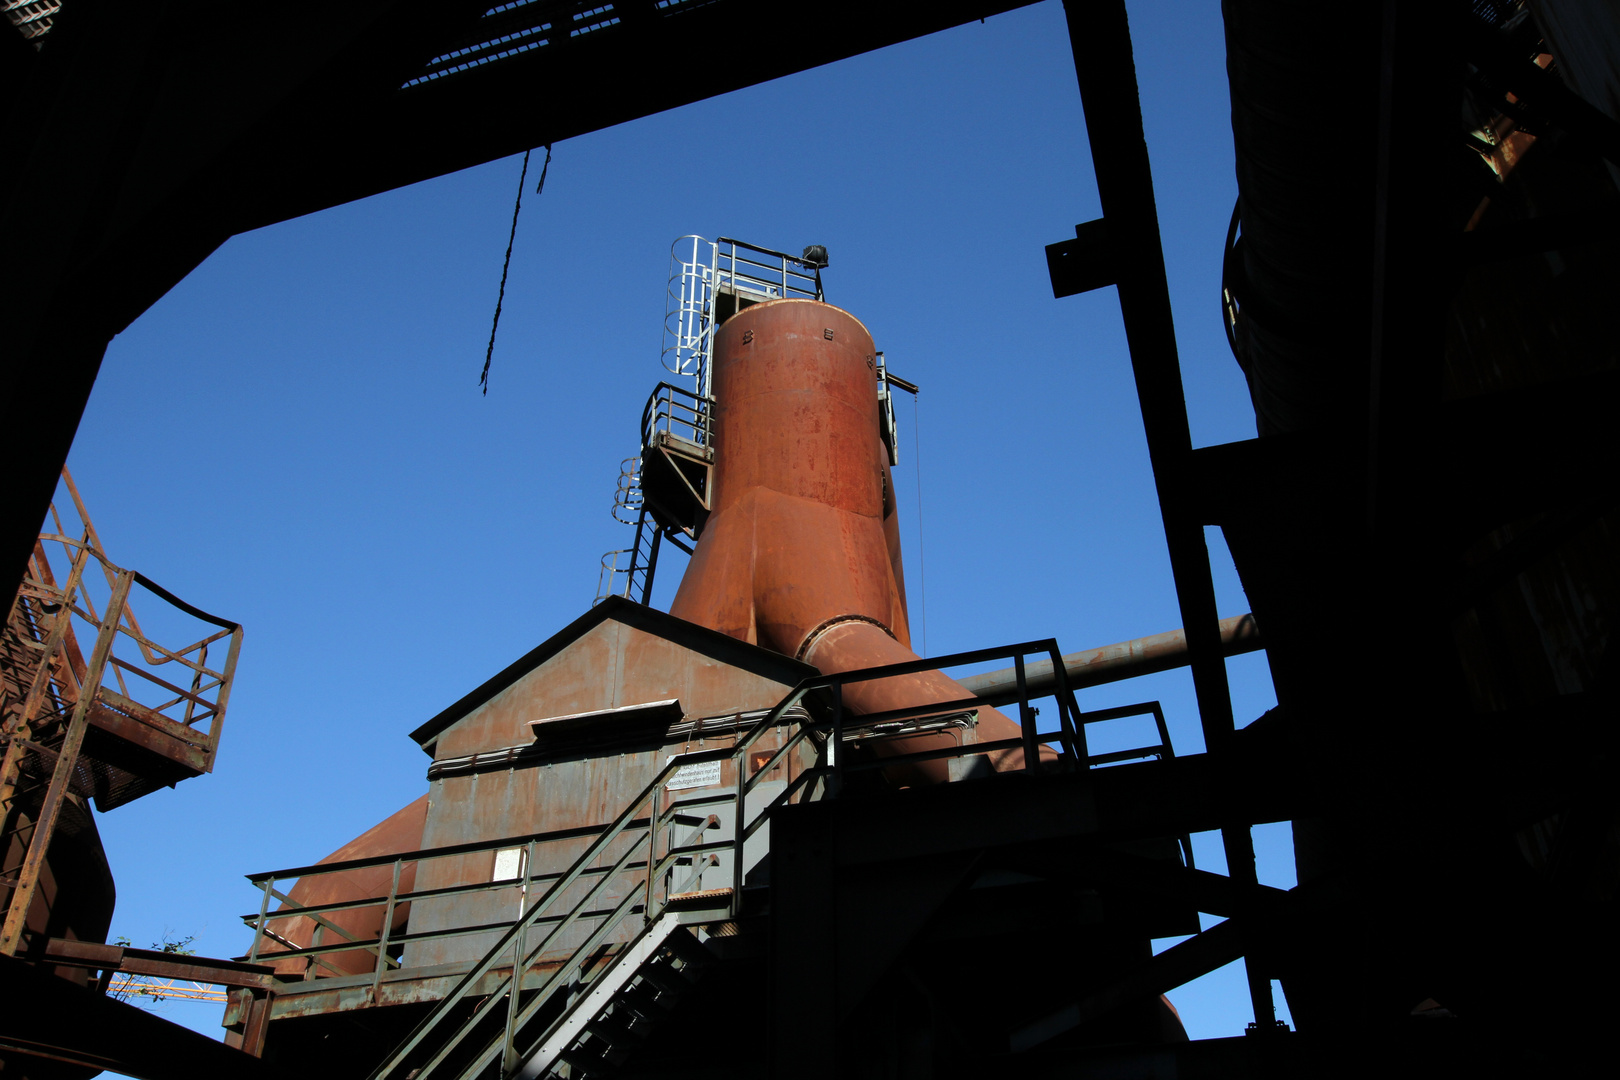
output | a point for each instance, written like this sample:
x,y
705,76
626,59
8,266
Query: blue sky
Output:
x,y
293,437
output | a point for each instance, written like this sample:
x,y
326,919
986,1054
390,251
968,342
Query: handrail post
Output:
x,y
315,963
196,683
382,936
657,812
258,927
1164,730
835,743
738,831
1074,729
1026,720
528,876
514,989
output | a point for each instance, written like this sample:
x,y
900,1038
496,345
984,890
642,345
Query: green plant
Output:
x,y
146,986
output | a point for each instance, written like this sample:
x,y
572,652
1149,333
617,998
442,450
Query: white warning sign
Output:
x,y
696,775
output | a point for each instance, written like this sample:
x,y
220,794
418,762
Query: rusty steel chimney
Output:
x,y
801,550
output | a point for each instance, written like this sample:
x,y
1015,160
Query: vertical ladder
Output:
x,y
629,571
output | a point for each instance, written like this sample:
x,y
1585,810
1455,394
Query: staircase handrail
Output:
x,y
504,947
829,768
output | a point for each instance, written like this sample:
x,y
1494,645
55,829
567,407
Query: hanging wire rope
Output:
x,y
500,297
922,565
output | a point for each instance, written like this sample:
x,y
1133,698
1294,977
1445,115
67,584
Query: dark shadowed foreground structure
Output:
x,y
760,814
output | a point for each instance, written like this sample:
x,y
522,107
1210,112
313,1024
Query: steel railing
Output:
x,y
689,310
64,694
643,849
132,686
630,570
672,410
770,275
281,948
699,268
522,1005
433,1045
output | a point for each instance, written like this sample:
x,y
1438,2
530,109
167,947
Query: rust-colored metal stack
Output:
x,y
801,552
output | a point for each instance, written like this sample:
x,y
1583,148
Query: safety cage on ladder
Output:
x,y
664,490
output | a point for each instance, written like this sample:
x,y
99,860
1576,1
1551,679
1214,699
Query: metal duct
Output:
x,y
1112,663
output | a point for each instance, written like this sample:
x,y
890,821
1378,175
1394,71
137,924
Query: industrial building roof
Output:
x,y
727,650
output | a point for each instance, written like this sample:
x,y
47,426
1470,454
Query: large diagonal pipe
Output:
x,y
801,551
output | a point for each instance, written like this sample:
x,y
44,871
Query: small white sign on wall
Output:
x,y
696,775
508,864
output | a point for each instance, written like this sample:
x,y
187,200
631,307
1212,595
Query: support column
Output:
x,y
1099,35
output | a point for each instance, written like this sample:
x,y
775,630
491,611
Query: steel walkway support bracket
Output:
x,y
67,760
1084,263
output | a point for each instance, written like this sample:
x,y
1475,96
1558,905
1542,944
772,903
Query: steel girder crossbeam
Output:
x,y
48,1017
838,864
142,143
1123,248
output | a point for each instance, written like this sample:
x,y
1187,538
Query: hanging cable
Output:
x,y
500,297
545,166
922,566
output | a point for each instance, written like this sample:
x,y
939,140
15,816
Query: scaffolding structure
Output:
x,y
133,716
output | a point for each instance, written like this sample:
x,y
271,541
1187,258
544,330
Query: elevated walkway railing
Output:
x,y
702,274
275,928
770,275
673,410
628,572
131,717
669,480
509,1018
273,938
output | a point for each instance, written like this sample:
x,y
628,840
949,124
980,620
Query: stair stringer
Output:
x,y
571,1025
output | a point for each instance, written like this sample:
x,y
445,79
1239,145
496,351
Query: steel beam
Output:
x,y
1100,37
67,761
1176,966
49,1018
153,962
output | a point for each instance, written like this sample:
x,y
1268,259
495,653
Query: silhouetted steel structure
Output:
x,y
1419,288
104,725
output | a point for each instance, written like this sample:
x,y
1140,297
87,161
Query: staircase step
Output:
x,y
618,1030
582,1062
615,1054
701,900
689,950
646,1000
666,978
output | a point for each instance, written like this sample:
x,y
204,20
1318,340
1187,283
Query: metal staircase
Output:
x,y
651,873
576,1018
623,1005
